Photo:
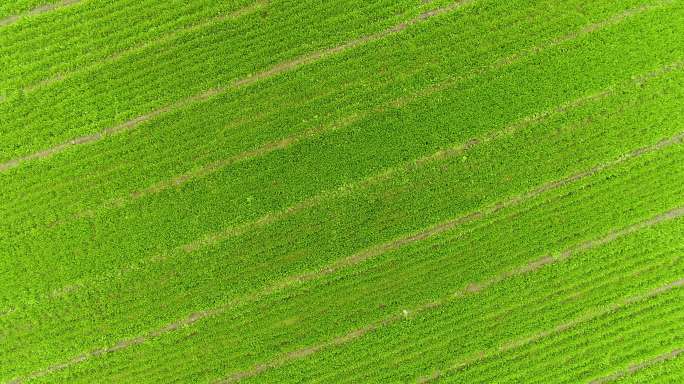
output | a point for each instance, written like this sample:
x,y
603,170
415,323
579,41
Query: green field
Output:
x,y
295,191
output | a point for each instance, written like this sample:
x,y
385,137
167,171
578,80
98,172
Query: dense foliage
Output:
x,y
341,191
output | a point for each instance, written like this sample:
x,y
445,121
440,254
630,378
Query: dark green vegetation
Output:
x,y
342,191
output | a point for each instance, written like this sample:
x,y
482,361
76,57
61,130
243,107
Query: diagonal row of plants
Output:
x,y
136,166
487,319
63,42
178,72
208,257
12,11
66,41
67,229
83,167
665,368
424,190
570,134
636,114
646,328
406,278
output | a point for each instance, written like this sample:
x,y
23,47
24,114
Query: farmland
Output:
x,y
467,191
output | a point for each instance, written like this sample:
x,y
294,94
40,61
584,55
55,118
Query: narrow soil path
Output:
x,y
37,11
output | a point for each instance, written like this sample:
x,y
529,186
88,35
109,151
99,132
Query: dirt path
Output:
x,y
396,244
246,81
37,11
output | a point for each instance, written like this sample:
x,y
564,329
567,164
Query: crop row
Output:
x,y
347,152
234,14
394,287
34,233
415,347
209,131
494,154
180,71
367,238
157,75
306,318
573,355
603,141
469,361
305,298
125,126
485,252
12,11
124,27
55,201
93,31
183,280
665,368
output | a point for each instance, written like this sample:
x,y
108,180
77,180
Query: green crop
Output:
x,y
348,191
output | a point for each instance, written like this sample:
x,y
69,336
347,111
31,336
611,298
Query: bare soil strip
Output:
x,y
478,287
590,315
246,81
396,244
259,4
639,366
37,11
